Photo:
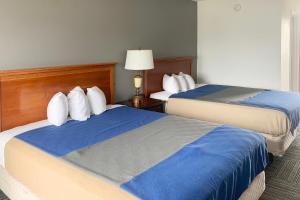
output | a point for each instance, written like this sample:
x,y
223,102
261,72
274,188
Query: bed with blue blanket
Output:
x,y
275,114
127,153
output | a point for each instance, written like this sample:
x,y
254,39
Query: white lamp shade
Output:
x,y
139,60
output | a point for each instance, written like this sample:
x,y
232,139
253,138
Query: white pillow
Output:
x,y
77,88
170,84
97,100
79,105
182,82
190,81
57,110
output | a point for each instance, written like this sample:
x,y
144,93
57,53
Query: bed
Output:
x,y
274,114
124,153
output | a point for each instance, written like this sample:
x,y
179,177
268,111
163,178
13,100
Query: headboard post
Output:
x,y
112,83
25,93
153,78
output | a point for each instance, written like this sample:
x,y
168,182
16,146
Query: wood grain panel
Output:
x,y
153,78
25,93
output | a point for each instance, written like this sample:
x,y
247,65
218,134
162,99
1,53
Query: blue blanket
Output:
x,y
213,167
219,165
75,135
287,102
199,92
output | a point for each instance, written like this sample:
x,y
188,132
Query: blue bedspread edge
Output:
x,y
230,160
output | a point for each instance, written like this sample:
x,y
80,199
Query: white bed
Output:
x,y
206,110
15,190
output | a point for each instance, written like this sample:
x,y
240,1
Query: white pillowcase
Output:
x,y
78,89
163,95
97,100
57,110
170,84
79,105
190,81
182,83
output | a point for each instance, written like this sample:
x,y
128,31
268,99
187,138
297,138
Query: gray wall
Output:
x,y
58,32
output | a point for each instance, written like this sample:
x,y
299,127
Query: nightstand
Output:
x,y
147,104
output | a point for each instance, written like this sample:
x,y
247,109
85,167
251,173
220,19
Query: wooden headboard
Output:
x,y
24,94
153,78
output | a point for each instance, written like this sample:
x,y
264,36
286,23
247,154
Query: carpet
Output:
x,y
2,196
283,175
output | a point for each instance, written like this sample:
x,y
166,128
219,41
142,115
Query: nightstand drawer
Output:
x,y
159,108
146,104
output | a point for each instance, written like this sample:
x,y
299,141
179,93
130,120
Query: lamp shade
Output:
x,y
139,60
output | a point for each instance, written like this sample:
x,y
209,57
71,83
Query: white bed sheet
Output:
x,y
6,136
164,95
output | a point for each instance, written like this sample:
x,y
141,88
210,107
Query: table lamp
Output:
x,y
139,60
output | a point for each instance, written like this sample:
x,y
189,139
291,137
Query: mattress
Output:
x,y
269,121
133,152
277,145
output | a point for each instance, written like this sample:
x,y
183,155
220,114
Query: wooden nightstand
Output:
x,y
146,104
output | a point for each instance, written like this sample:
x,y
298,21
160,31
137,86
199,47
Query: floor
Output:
x,y
2,196
282,177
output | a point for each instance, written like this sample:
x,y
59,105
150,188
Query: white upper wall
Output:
x,y
240,48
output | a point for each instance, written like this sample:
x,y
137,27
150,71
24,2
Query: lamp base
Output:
x,y
137,100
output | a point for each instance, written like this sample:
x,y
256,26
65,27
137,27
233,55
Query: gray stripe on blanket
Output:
x,y
128,155
232,95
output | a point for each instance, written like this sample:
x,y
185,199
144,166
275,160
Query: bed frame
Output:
x,y
153,78
25,93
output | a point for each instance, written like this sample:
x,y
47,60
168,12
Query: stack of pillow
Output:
x,y
79,105
178,83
